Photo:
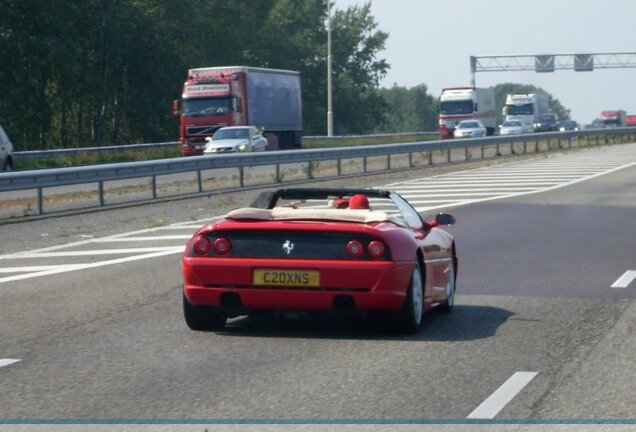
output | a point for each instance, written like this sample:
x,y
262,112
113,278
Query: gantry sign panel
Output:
x,y
542,63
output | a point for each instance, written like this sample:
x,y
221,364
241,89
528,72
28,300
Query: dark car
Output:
x,y
569,125
547,123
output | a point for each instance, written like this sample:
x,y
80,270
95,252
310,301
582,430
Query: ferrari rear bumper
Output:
x,y
356,285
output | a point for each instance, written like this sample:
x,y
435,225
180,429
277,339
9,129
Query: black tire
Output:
x,y
409,318
451,288
202,318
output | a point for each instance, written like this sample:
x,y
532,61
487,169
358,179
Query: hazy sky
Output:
x,y
430,42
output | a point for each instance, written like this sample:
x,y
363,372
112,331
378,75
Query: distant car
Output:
x,y
469,129
547,123
234,139
320,250
6,152
569,125
515,127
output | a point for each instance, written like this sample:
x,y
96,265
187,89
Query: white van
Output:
x,y
6,152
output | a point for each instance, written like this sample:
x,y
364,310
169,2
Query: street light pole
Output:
x,y
329,89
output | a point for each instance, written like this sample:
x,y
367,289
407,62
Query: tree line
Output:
x,y
80,73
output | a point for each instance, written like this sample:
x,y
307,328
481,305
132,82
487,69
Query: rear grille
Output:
x,y
201,130
295,245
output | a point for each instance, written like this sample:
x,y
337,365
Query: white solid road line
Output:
x,y
73,267
7,362
624,281
85,253
504,394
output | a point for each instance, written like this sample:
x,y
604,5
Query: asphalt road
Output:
x,y
535,296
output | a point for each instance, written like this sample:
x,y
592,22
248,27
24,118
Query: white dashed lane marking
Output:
x,y
502,396
624,281
7,362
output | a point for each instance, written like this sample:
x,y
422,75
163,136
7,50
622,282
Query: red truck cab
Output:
x,y
211,99
215,97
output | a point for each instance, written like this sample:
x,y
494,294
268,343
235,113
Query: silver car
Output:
x,y
6,152
234,139
469,129
515,127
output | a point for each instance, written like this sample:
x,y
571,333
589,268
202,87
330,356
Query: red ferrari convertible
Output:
x,y
320,250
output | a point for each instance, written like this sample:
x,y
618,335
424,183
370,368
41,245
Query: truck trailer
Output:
x,y
616,118
215,97
462,103
526,107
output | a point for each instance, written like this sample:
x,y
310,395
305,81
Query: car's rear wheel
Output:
x,y
202,318
448,304
409,318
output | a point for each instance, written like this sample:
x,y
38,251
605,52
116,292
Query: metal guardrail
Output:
x,y
46,178
335,139
40,154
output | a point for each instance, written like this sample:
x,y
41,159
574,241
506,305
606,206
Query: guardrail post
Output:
x,y
309,173
569,142
525,146
536,145
559,140
277,173
466,157
497,153
339,167
199,181
100,193
154,187
482,151
448,156
40,201
512,147
364,164
388,162
241,177
410,159
430,157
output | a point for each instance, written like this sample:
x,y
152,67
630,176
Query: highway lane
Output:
x,y
109,341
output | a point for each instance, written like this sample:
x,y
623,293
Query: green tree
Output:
x,y
356,43
410,109
103,72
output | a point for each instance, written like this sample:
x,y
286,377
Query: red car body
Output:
x,y
310,257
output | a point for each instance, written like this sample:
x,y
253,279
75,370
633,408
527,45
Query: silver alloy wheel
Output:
x,y
450,287
418,296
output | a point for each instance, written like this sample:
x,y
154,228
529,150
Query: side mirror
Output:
x,y
176,107
444,219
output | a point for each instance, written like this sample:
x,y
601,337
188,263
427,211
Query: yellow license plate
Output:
x,y
273,277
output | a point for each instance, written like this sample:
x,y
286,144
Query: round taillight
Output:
x,y
222,246
355,249
201,245
376,249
